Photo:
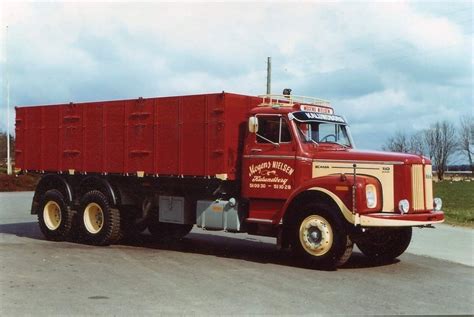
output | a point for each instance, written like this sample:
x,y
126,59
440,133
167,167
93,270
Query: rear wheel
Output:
x,y
100,223
55,217
385,244
319,237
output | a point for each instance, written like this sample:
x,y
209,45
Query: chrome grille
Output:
x,y
417,182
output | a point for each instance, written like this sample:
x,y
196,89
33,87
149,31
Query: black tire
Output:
x,y
385,244
319,237
167,232
99,222
55,218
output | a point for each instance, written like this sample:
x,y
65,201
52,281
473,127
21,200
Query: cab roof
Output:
x,y
278,104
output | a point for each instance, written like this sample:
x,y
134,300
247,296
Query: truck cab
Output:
x,y
301,172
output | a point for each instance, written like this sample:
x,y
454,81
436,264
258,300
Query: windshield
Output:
x,y
323,132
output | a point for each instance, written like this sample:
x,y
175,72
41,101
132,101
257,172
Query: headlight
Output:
x,y
438,203
403,206
371,196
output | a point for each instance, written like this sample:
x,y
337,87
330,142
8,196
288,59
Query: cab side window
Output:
x,y
273,129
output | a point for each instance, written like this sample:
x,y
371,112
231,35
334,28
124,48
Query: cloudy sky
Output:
x,y
386,66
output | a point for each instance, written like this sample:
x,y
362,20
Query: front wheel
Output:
x,y
319,237
385,244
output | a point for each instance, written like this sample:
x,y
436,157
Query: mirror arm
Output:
x,y
270,141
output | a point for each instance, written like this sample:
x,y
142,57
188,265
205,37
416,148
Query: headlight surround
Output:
x,y
437,203
371,196
404,206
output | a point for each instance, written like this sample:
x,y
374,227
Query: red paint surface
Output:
x,y
194,135
265,208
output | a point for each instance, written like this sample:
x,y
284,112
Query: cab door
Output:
x,y
269,159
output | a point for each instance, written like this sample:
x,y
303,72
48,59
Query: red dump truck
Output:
x,y
280,166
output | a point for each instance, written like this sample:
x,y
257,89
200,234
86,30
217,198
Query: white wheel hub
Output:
x,y
93,218
316,235
52,215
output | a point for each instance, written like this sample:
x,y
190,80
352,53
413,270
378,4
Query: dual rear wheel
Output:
x,y
96,221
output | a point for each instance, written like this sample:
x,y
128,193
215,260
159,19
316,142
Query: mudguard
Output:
x,y
99,183
339,189
50,181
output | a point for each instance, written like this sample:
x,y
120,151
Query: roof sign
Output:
x,y
316,109
314,116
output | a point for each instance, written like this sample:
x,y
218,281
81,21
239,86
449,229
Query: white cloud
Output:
x,y
375,60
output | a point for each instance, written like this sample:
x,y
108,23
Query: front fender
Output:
x,y
339,189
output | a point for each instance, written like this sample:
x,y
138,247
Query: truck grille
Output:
x,y
429,187
422,187
417,182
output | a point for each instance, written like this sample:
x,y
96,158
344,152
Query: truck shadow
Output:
x,y
246,248
23,229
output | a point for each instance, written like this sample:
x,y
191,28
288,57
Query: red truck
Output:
x,y
280,166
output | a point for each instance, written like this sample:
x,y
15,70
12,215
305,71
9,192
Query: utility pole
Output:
x,y
9,162
269,75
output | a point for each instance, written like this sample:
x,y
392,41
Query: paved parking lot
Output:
x,y
216,273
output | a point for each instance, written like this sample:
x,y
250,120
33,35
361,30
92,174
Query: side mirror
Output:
x,y
253,124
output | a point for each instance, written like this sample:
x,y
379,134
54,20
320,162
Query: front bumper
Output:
x,y
400,220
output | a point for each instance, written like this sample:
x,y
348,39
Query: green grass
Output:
x,y
458,201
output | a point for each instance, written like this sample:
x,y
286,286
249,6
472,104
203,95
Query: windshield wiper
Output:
x,y
343,145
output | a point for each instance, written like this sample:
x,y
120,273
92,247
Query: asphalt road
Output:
x,y
210,273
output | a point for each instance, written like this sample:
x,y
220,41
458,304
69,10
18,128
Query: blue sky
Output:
x,y
386,66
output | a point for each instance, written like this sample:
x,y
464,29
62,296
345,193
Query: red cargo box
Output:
x,y
194,135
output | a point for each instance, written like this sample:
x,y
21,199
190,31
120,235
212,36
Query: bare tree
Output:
x,y
441,143
466,138
416,143
404,143
397,143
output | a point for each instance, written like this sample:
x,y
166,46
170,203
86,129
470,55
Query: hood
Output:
x,y
361,155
